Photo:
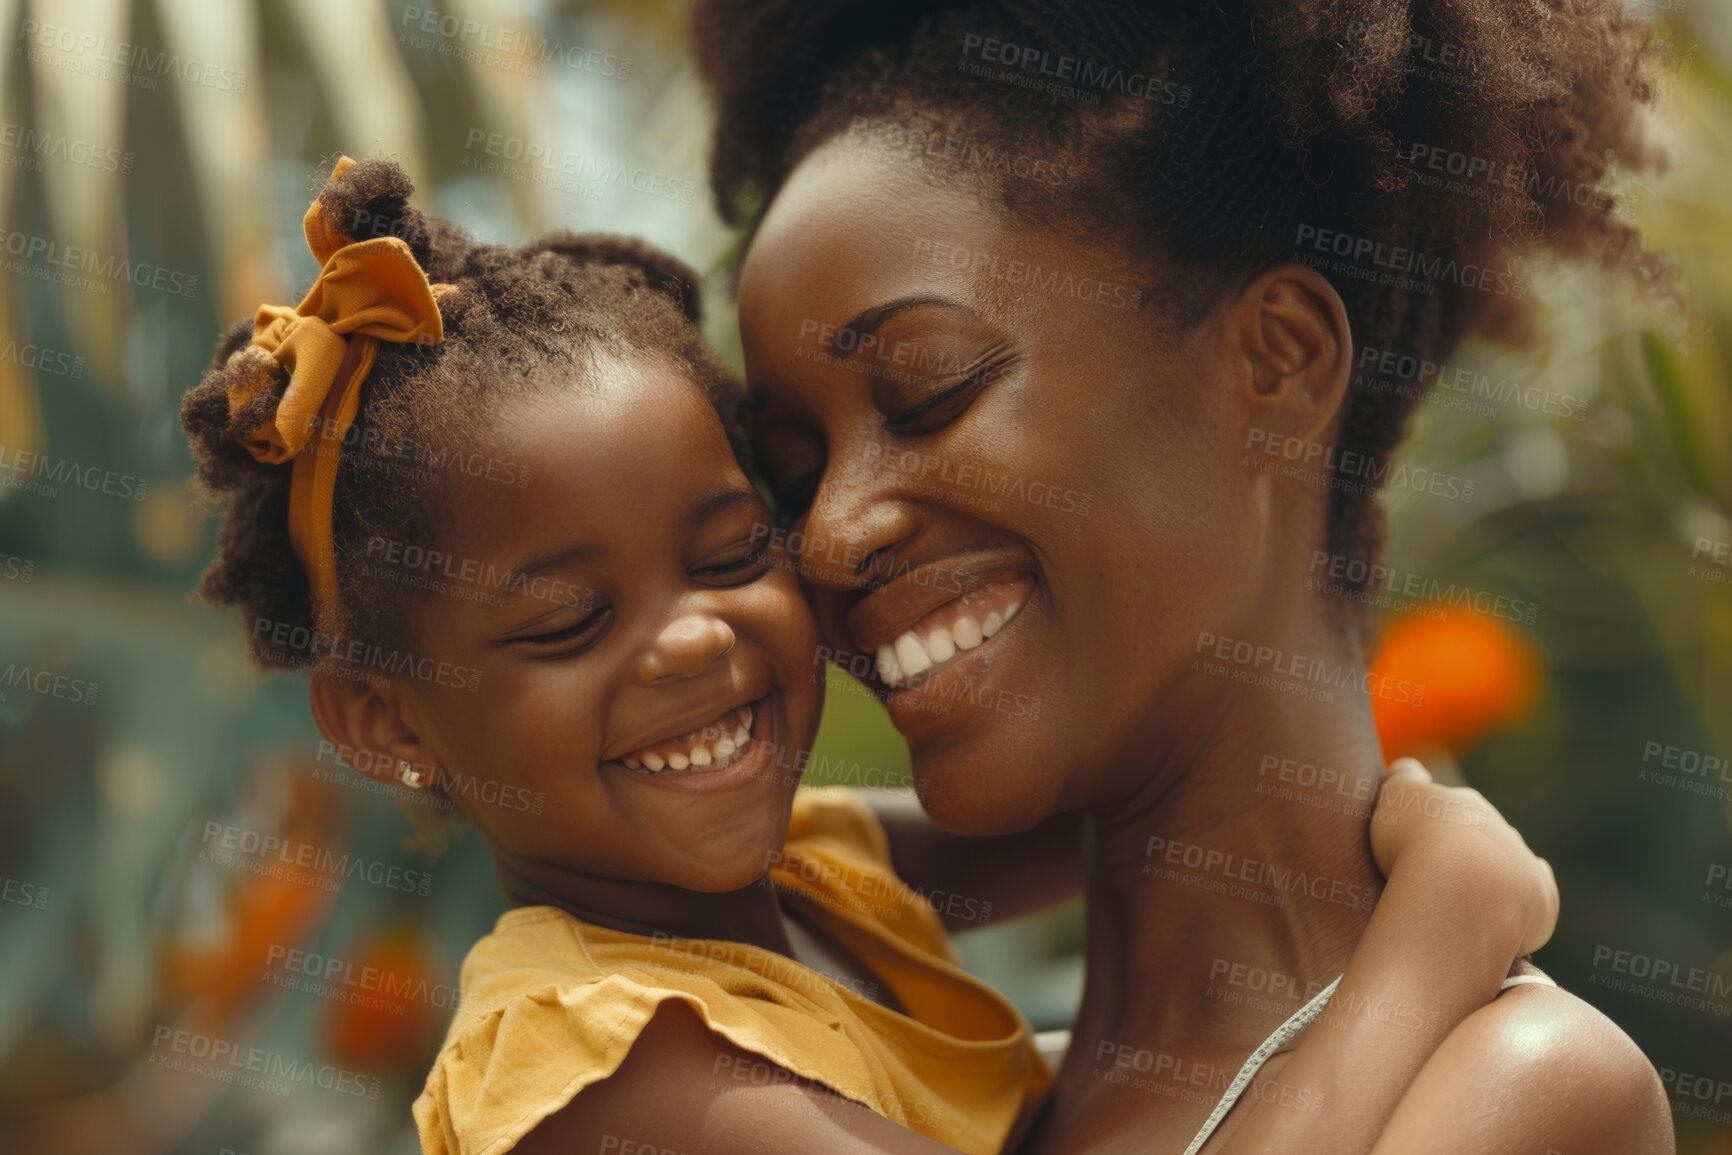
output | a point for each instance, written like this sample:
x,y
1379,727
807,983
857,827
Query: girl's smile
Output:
x,y
738,748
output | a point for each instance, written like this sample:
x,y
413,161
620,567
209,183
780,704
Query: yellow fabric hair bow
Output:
x,y
367,291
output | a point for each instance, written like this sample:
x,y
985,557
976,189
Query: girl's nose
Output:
x,y
685,648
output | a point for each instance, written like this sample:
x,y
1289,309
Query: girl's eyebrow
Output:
x,y
711,503
581,552
721,498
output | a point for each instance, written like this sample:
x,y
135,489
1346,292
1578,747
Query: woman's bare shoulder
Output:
x,y
1536,1070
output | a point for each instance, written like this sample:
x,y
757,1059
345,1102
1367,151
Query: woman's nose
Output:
x,y
685,648
855,518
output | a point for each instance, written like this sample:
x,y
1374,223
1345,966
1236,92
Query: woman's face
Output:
x,y
973,418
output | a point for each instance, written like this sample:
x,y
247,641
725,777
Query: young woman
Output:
x,y
1053,310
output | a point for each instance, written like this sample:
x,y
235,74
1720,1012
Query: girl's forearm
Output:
x,y
984,878
1426,961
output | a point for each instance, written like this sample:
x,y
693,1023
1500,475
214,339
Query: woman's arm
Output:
x,y
679,1090
1466,900
1016,873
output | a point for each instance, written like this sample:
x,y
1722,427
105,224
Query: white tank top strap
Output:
x,y
1301,1018
1518,980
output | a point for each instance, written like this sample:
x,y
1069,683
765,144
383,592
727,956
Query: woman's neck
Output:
x,y
1239,877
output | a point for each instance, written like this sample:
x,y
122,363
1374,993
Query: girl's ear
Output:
x,y
368,726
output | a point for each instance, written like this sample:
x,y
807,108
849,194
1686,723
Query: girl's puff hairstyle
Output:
x,y
523,322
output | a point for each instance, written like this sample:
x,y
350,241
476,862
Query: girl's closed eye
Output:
x,y
584,632
739,568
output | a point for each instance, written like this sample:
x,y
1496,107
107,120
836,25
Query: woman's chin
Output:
x,y
972,796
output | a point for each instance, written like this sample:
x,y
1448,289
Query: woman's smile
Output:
x,y
953,633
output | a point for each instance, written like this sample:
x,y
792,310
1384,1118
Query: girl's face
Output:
x,y
1010,484
645,661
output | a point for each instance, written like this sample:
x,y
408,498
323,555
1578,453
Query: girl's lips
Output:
x,y
707,748
753,763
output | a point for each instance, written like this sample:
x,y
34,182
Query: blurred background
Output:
x,y
1572,621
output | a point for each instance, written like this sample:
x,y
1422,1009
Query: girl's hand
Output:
x,y
1469,898
1455,835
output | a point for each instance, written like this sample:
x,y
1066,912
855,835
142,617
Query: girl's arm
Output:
x,y
685,1089
973,881
1468,898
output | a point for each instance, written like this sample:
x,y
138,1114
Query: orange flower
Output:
x,y
1467,676
390,1027
264,912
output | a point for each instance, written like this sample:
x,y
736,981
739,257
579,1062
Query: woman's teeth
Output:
x,y
912,654
715,747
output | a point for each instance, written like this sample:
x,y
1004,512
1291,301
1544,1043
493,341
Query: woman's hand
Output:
x,y
1453,834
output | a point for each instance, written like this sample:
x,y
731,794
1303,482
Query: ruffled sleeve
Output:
x,y
510,1068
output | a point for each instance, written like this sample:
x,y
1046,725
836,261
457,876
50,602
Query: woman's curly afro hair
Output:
x,y
1219,137
523,321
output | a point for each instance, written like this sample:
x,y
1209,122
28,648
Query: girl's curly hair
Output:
x,y
1430,141
523,321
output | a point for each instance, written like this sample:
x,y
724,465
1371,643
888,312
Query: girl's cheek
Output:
x,y
788,628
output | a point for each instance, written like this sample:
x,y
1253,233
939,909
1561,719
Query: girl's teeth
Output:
x,y
992,625
939,646
911,656
1010,610
967,634
717,745
888,669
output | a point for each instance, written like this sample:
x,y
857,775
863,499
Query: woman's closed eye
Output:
x,y
939,409
924,416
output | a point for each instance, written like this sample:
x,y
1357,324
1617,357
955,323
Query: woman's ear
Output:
x,y
1290,334
369,726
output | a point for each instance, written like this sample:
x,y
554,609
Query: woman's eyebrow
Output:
x,y
868,321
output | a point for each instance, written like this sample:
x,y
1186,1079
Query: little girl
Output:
x,y
496,494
